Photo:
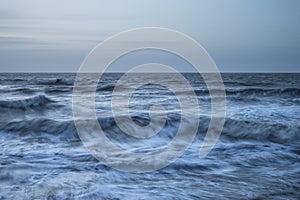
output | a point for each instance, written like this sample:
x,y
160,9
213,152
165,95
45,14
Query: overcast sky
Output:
x,y
241,36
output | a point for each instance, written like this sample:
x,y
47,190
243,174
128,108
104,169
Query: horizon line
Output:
x,y
121,72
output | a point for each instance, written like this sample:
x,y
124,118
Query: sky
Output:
x,y
240,36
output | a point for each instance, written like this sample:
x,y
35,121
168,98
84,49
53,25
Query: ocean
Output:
x,y
256,157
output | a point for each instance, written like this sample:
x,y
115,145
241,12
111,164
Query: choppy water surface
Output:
x,y
257,156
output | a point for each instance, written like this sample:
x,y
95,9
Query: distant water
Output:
x,y
257,156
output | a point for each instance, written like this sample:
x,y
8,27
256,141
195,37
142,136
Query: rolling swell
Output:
x,y
233,129
256,92
279,92
260,131
31,102
40,126
54,81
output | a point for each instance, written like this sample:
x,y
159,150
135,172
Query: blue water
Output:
x,y
257,156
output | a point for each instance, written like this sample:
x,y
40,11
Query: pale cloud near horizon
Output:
x,y
241,36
